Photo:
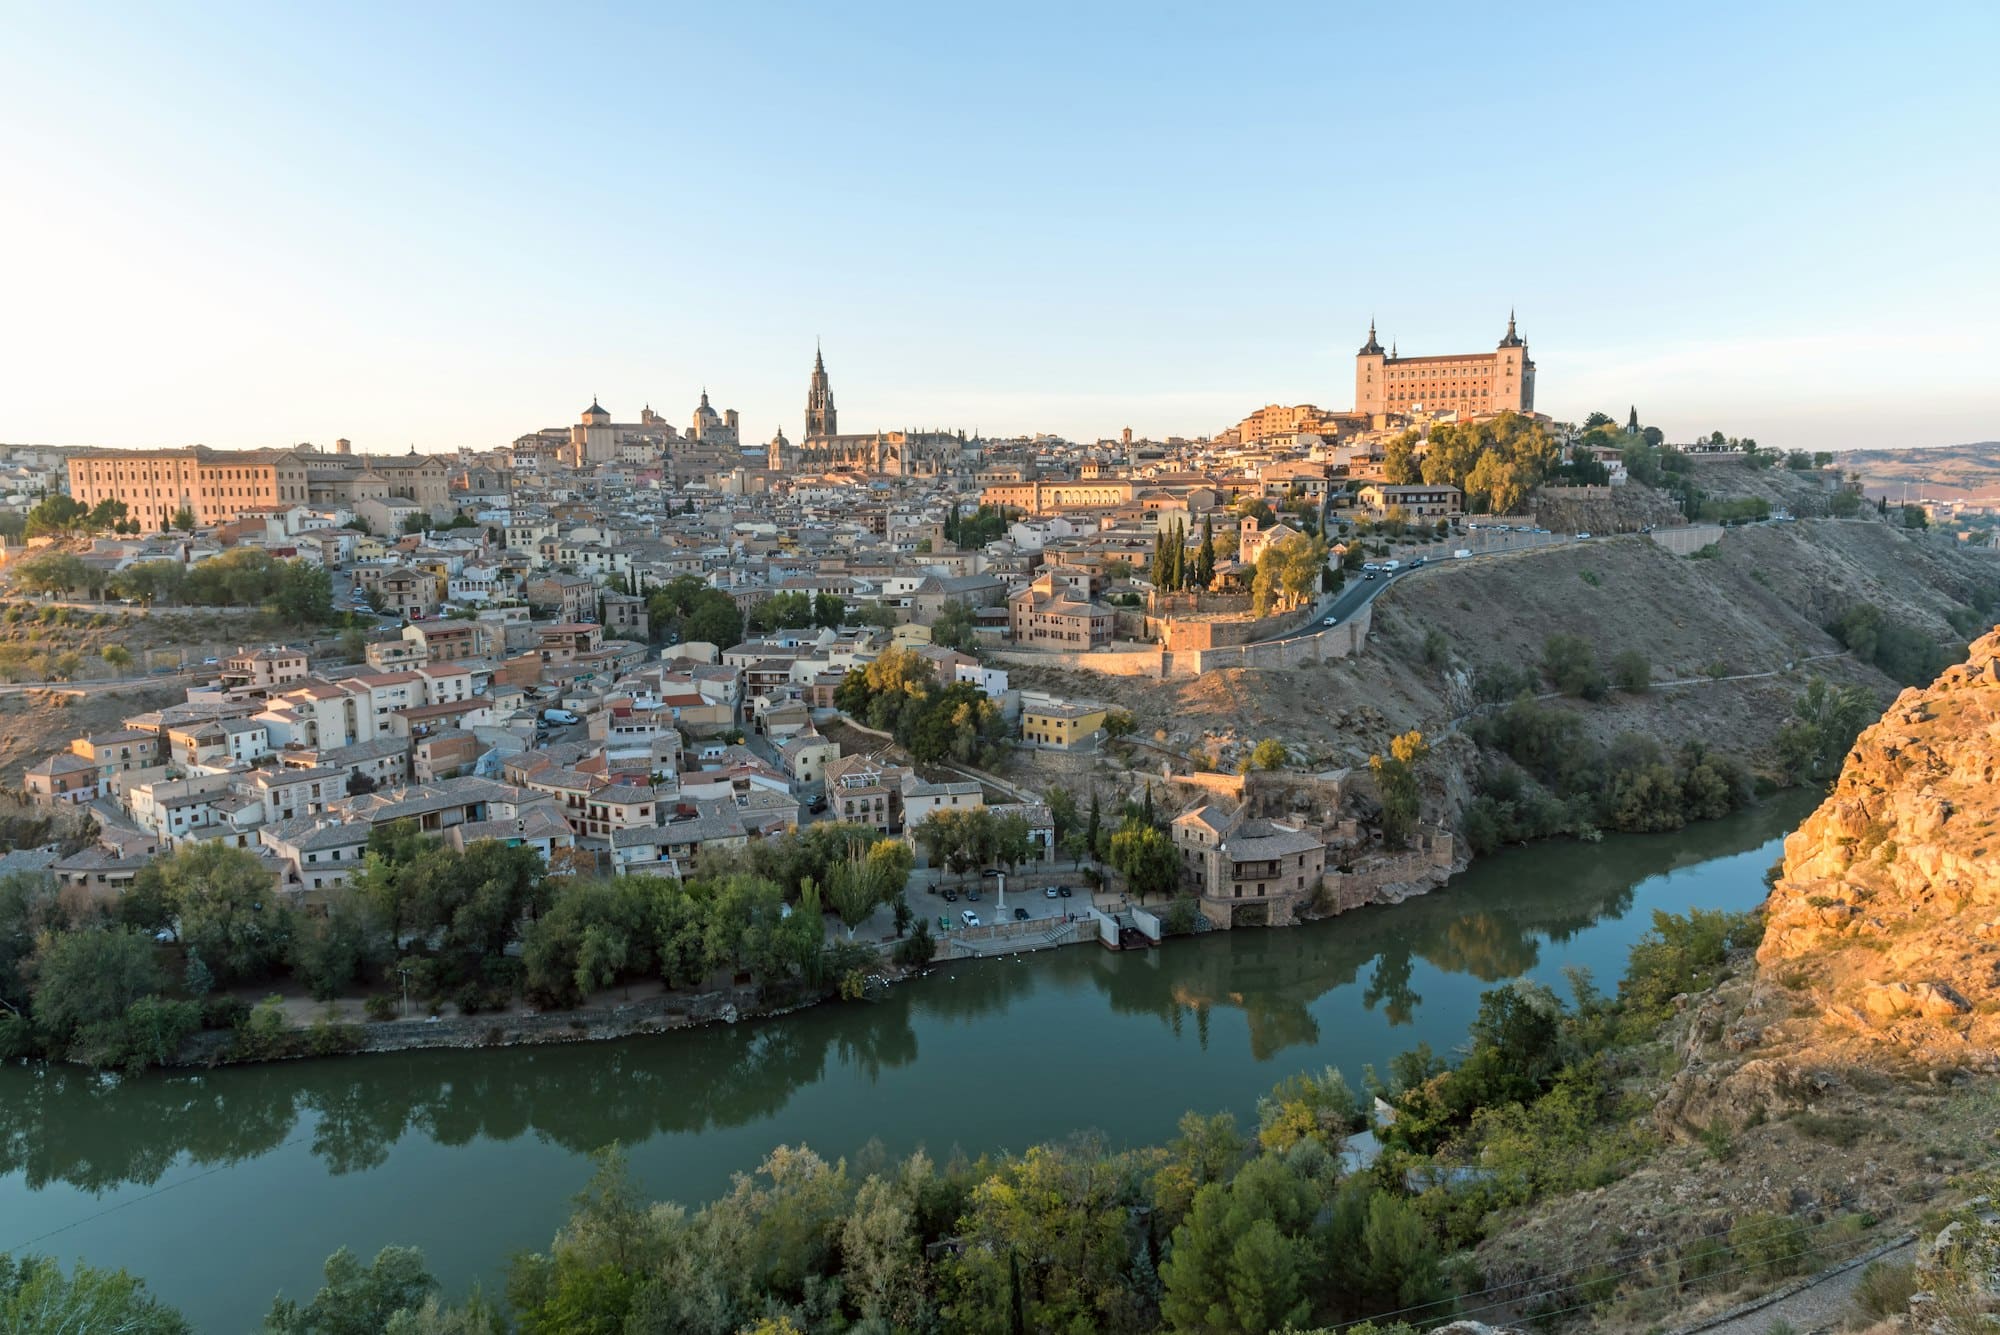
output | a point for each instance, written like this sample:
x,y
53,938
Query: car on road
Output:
x,y
818,805
990,871
1020,915
1329,621
210,662
1462,554
1369,575
968,917
1049,893
1582,536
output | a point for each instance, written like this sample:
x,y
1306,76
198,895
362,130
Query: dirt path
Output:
x,y
1824,1303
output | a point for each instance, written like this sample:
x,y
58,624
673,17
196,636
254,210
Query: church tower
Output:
x,y
820,417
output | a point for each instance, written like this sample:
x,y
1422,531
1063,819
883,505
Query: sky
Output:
x,y
444,225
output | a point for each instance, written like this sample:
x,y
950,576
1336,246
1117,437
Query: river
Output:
x,y
223,1187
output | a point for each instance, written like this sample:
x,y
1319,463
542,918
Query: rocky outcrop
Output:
x,y
1886,922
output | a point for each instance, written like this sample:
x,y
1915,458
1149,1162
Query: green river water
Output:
x,y
222,1188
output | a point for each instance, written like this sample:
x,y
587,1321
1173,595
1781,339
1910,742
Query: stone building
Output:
x,y
1246,871
221,486
896,453
1470,384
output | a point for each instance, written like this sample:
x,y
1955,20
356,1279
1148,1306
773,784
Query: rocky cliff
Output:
x,y
1888,912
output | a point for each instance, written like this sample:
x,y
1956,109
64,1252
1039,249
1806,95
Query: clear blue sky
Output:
x,y
447,224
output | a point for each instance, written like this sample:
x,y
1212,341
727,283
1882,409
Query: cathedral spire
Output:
x,y
1513,340
1371,348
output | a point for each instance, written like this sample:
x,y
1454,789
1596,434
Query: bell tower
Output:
x,y
821,419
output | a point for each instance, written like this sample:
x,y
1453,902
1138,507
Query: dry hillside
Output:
x,y
1756,605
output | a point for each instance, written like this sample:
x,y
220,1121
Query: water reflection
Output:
x,y
93,1133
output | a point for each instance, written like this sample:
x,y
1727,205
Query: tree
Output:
x,y
90,978
30,906
1240,1262
1399,460
116,656
37,1298
1204,555
227,909
48,572
55,514
1571,666
714,619
331,953
184,519
829,609
1396,779
1147,860
782,611
357,1299
1632,672
953,628
304,596
1269,754
1289,572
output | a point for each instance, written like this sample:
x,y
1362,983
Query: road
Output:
x,y
1361,590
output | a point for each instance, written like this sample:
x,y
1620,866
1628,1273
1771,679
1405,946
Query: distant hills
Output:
x,y
1942,472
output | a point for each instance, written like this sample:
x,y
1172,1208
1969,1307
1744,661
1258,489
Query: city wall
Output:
x,y
1146,662
1342,641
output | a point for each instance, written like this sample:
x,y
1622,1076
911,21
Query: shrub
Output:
x,y
224,1012
1631,672
1885,1288
1570,664
1771,1246
380,1007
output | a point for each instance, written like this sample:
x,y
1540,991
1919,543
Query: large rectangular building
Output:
x,y
1471,384
217,486
220,486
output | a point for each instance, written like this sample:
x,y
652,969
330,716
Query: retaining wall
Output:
x,y
1685,540
1147,662
1342,641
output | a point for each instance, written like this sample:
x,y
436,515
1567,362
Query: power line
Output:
x,y
1616,1259
156,1191
1651,1288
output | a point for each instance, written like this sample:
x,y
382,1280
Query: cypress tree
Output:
x,y
1204,557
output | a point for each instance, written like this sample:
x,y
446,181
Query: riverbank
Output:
x,y
473,1154
647,1008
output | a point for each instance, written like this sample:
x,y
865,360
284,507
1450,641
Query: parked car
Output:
x,y
990,871
1063,890
818,805
1462,554
210,662
1049,893
968,917
1581,536
951,896
973,894
1020,915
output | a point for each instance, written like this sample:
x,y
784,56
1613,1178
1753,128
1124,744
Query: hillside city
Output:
x,y
624,728
627,645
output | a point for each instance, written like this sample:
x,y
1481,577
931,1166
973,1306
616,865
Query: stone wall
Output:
x,y
1688,538
1342,641
644,1016
1389,878
1147,662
